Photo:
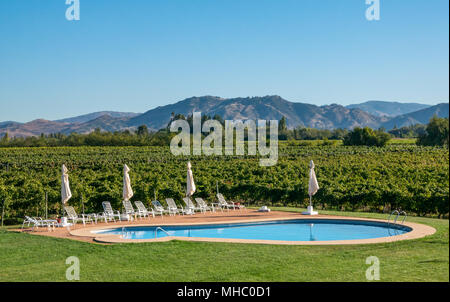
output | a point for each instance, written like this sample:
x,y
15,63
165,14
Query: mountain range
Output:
x,y
389,109
92,116
373,114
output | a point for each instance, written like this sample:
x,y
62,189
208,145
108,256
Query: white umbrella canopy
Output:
x,y
313,184
127,190
190,185
66,194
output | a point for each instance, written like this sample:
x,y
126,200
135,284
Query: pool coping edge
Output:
x,y
418,231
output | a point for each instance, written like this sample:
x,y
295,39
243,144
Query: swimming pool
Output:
x,y
284,230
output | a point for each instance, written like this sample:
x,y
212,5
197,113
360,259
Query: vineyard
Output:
x,y
353,178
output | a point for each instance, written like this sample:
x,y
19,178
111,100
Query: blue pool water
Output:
x,y
287,230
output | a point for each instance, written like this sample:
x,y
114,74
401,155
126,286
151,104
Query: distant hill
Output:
x,y
266,108
9,124
417,117
104,123
159,117
390,109
33,128
105,120
92,116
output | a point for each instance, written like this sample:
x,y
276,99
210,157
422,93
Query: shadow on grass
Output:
x,y
434,261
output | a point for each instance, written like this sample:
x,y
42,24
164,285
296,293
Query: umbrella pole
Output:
x,y
82,202
310,200
46,205
3,210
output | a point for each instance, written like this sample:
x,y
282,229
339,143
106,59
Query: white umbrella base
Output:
x,y
310,211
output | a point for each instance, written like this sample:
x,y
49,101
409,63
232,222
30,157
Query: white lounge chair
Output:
x,y
203,205
159,208
173,209
190,206
129,210
142,210
109,213
72,215
224,204
39,222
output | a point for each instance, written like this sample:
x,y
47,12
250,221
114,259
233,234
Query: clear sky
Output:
x,y
134,55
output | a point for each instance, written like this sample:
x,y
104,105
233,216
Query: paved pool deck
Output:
x,y
86,233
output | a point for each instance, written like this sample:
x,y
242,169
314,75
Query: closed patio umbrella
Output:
x,y
127,191
66,194
313,186
190,185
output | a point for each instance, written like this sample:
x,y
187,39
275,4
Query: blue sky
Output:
x,y
135,55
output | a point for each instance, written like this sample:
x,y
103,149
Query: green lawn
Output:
x,y
25,257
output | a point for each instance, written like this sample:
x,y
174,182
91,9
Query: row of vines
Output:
x,y
351,178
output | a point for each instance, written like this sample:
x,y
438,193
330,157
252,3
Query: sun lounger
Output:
x,y
190,206
224,204
39,222
109,213
129,210
72,215
173,209
203,205
159,208
142,210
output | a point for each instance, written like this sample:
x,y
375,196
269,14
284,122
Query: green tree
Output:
x,y
411,131
282,126
437,133
142,130
4,198
366,137
219,119
5,138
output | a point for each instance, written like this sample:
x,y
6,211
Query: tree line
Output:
x,y
435,133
